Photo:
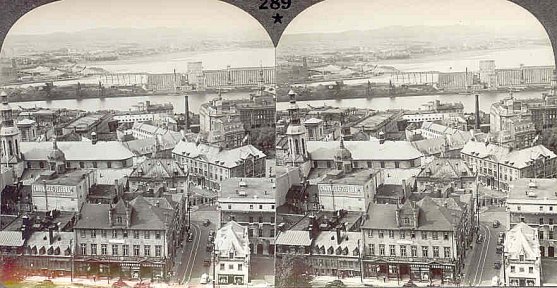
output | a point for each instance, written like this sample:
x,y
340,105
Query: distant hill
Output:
x,y
437,35
147,38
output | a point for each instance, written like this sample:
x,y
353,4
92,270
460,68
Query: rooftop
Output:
x,y
232,238
375,120
364,150
431,216
293,237
211,154
70,178
77,151
532,190
357,177
85,122
144,215
522,240
159,169
515,158
247,188
446,168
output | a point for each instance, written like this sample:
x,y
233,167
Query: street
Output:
x,y
480,270
193,254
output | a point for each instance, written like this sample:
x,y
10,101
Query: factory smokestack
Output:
x,y
187,113
554,83
477,119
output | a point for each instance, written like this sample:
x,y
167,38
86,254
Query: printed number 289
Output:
x,y
275,4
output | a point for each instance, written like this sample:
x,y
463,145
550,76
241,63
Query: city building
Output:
x,y
336,253
209,165
10,136
366,154
314,128
350,190
221,123
157,175
521,257
532,201
296,136
443,172
435,111
132,239
143,130
29,129
497,165
232,249
448,146
62,191
420,241
78,154
250,202
433,130
541,111
374,124
87,124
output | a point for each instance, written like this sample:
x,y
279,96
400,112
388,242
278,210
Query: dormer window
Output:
x,y
521,257
230,255
119,219
406,220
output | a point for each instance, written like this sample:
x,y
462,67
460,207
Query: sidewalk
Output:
x,y
321,281
80,282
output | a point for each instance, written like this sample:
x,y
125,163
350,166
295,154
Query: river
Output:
x,y
415,102
539,55
126,103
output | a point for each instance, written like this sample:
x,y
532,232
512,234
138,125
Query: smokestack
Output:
x,y
554,83
338,236
51,234
477,122
187,119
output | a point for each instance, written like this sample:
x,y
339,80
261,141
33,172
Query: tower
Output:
x,y
296,134
10,136
343,158
56,159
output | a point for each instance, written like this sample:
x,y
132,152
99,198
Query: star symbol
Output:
x,y
278,18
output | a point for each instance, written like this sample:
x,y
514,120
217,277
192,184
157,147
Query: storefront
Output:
x,y
421,272
231,279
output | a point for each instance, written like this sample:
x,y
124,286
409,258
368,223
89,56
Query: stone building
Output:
x,y
250,202
521,256
209,165
532,201
232,248
133,239
157,175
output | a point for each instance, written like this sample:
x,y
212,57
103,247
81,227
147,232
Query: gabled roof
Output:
x,y
144,215
446,169
328,239
232,238
293,237
431,216
227,158
522,240
158,168
503,155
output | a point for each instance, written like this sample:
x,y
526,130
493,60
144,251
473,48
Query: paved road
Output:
x,y
191,265
481,269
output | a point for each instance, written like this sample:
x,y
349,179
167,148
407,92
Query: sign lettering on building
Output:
x,y
341,189
59,190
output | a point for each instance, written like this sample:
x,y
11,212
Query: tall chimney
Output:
x,y
477,122
339,240
187,113
50,234
554,83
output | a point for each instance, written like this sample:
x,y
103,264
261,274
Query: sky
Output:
x,y
205,16
213,16
345,15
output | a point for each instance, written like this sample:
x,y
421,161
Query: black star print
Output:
x,y
278,18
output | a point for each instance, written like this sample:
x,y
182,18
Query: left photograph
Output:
x,y
137,146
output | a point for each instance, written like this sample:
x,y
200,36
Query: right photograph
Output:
x,y
415,146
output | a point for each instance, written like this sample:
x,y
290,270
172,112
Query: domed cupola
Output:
x,y
343,158
56,158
